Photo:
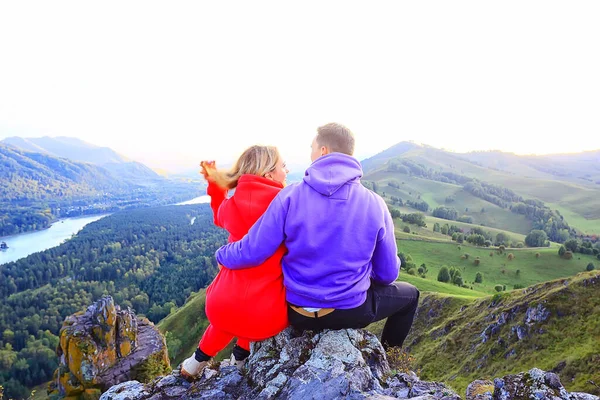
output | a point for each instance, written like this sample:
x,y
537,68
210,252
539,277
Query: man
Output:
x,y
342,263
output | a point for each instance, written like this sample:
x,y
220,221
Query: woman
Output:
x,y
248,304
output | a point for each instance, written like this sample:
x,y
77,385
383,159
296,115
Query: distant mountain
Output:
x,y
26,177
491,188
576,167
37,188
78,150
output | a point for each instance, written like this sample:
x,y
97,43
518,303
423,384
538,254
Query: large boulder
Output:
x,y
104,346
344,364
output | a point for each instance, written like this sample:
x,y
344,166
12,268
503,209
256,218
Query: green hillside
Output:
x,y
552,326
525,269
563,183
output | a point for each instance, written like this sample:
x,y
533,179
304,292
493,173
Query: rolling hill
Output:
x,y
567,185
77,150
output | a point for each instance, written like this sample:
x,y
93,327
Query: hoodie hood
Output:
x,y
328,173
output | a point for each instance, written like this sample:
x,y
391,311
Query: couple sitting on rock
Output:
x,y
319,254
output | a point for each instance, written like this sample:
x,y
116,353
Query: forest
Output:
x,y
148,259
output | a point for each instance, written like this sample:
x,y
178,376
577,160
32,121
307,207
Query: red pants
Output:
x,y
215,340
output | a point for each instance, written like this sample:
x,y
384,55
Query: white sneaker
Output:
x,y
191,368
238,364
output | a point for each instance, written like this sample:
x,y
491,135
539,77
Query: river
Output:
x,y
24,244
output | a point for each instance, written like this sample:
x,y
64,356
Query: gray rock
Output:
x,y
480,390
132,390
538,313
534,384
583,396
344,364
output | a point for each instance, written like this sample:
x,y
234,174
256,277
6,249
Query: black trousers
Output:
x,y
396,302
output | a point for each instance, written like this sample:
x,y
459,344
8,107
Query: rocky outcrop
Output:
x,y
534,384
345,364
105,346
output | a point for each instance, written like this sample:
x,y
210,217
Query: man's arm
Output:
x,y
261,241
386,263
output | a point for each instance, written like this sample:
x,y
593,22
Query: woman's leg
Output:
x,y
213,341
241,351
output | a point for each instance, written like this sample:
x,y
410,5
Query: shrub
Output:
x,y
443,275
491,254
467,255
518,286
510,256
498,288
520,245
412,271
501,248
568,255
406,229
537,255
562,251
477,261
590,267
479,277
400,360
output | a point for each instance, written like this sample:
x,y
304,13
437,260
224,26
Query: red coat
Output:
x,y
247,303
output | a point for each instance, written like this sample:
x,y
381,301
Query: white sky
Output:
x,y
170,83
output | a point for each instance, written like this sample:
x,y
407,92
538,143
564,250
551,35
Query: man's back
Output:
x,y
332,228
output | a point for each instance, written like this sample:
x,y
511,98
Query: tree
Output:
x,y
590,267
445,213
536,238
436,227
479,277
406,229
423,270
571,245
502,239
443,275
562,251
395,213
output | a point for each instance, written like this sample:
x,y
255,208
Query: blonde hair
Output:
x,y
255,160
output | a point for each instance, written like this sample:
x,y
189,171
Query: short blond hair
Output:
x,y
255,160
336,137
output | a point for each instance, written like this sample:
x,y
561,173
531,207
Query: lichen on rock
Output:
x,y
104,346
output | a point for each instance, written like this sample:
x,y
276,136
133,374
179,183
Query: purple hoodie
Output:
x,y
339,236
